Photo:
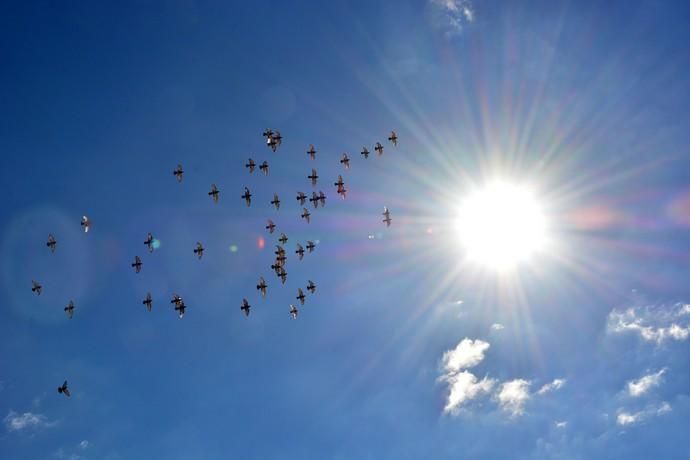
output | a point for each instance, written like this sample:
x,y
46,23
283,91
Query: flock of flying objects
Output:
x,y
273,140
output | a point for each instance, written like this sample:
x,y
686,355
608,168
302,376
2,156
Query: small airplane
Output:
x,y
386,216
280,251
271,226
261,287
214,193
148,301
272,143
245,307
264,168
277,267
199,250
345,161
86,223
365,152
280,260
247,197
379,148
137,264
311,152
300,251
300,296
310,246
36,287
314,199
283,238
149,242
180,308
313,177
311,287
178,172
250,165
322,198
342,191
305,214
282,275
293,311
69,309
277,139
276,201
268,133
62,389
51,242
340,182
393,138
177,300
301,197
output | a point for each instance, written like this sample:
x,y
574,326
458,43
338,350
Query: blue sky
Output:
x,y
407,350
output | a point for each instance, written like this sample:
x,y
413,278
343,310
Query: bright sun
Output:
x,y
500,225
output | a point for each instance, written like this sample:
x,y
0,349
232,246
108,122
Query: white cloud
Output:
x,y
562,424
84,444
463,386
27,420
653,323
497,327
626,418
557,384
513,395
454,14
468,353
642,385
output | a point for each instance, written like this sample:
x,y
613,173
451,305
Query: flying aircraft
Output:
x,y
180,308
277,267
214,193
282,275
137,264
293,311
301,197
280,260
345,161
300,251
379,148
62,389
264,168
280,251
314,199
199,250
305,214
365,152
342,191
250,165
69,309
311,287
277,139
86,223
300,296
177,300
393,138
148,301
271,142
261,287
340,182
276,201
322,198
313,177
247,197
178,172
271,226
311,152
386,216
149,242
51,242
310,246
245,307
268,133
36,287
283,238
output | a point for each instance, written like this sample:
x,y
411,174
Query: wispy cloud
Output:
x,y
557,384
626,418
20,422
513,395
561,424
653,323
454,14
463,385
497,327
642,385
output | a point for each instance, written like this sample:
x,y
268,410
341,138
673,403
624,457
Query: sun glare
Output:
x,y
501,225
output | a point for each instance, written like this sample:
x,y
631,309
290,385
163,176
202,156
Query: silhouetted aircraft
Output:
x,y
245,307
52,243
271,226
282,275
313,177
311,246
247,197
86,223
379,148
199,250
36,287
342,191
250,165
314,199
311,287
149,242
301,197
178,173
365,153
264,168
137,264
345,161
69,309
305,214
300,296
262,286
393,138
293,311
276,201
300,251
148,301
311,152
322,198
177,300
62,389
214,193
386,216
180,308
283,238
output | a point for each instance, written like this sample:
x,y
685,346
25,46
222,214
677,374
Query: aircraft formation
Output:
x,y
279,266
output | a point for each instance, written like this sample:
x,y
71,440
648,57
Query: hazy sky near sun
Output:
x,y
408,349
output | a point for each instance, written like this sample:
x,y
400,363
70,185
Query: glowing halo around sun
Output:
x,y
501,225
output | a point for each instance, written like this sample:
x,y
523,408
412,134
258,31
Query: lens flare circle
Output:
x,y
501,225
